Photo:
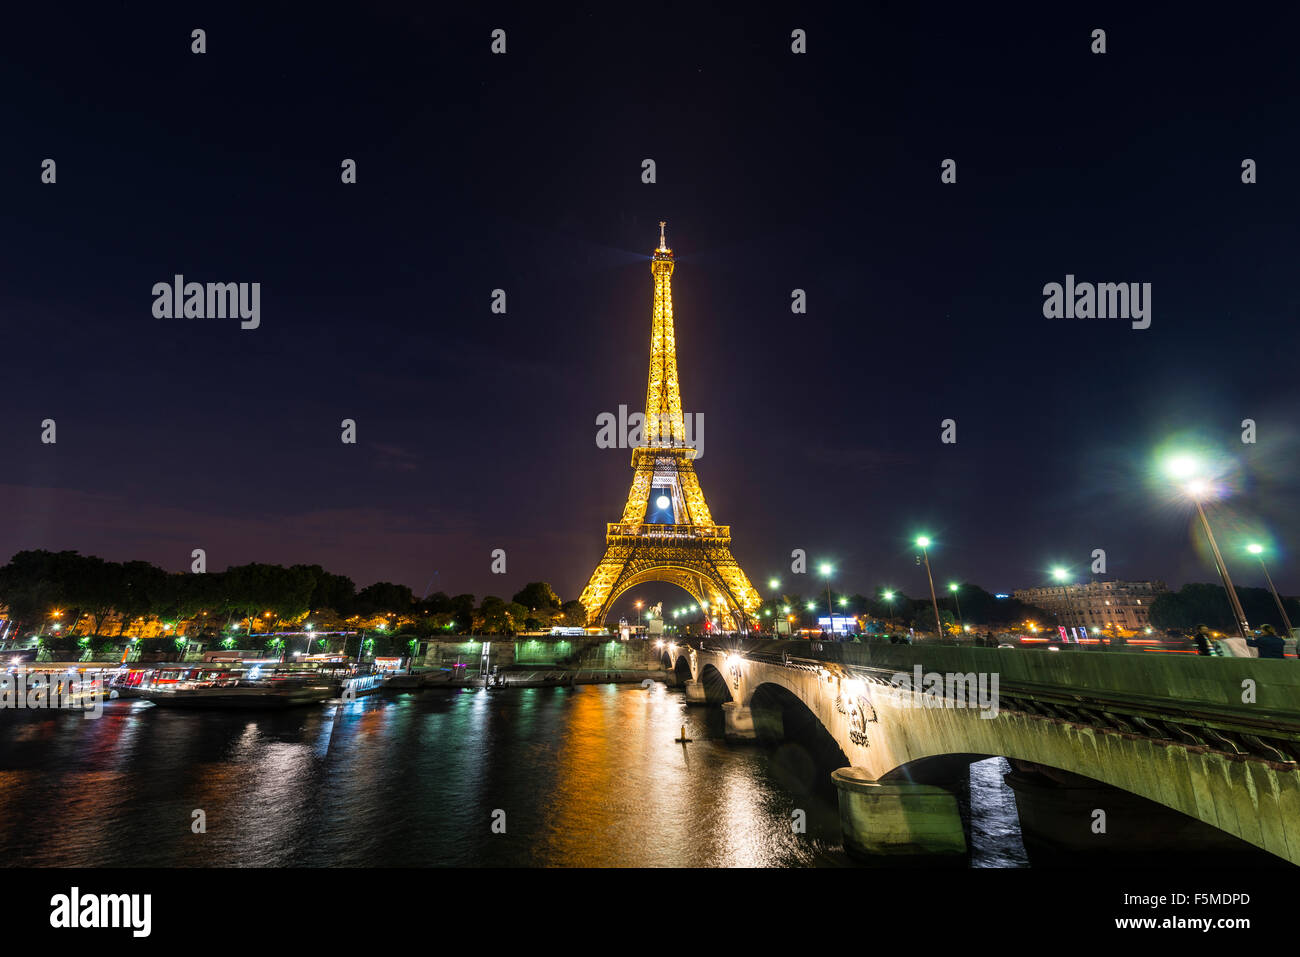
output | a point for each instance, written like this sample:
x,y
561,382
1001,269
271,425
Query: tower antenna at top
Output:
x,y
663,245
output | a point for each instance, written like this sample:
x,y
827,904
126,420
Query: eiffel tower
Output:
x,y
666,533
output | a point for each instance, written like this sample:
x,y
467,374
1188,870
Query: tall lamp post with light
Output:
x,y
954,587
1198,489
923,543
1258,552
1062,576
827,571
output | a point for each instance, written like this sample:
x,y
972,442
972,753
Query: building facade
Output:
x,y
1101,606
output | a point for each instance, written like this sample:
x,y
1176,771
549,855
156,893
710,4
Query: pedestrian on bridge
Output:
x,y
1269,643
1203,646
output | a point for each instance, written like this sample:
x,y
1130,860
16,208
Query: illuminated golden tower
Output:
x,y
688,549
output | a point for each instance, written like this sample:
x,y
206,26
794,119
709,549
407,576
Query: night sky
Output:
x,y
775,171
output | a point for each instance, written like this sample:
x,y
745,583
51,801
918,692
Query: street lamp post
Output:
x,y
960,622
1258,552
888,596
1060,575
830,606
1187,467
924,544
1197,490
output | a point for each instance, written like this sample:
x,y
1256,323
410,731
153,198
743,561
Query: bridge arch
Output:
x,y
682,669
716,690
781,714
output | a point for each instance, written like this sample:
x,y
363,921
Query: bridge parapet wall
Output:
x,y
1189,683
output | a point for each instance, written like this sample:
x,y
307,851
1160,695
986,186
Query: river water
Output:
x,y
585,776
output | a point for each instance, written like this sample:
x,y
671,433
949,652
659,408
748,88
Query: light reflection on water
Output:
x,y
586,776
994,821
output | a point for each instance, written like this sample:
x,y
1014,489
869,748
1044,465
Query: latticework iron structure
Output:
x,y
690,550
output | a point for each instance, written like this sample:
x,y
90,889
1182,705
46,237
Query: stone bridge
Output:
x,y
1100,741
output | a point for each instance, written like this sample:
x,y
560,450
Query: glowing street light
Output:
x,y
1198,489
1258,552
1063,576
923,543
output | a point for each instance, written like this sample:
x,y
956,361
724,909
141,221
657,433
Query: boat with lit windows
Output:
x,y
246,687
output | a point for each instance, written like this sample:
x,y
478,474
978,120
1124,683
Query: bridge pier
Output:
x,y
890,822
738,722
695,693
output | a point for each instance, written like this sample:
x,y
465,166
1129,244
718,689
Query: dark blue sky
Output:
x,y
775,171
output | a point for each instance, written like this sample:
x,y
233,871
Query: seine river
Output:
x,y
585,776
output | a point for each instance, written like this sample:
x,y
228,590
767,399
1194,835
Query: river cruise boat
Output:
x,y
241,685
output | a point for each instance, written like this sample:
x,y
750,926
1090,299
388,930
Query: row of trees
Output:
x,y
43,588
